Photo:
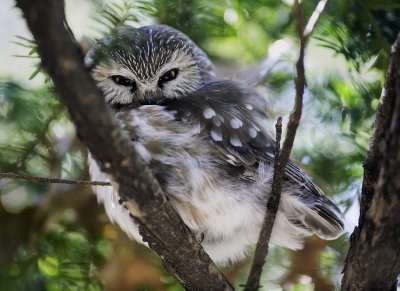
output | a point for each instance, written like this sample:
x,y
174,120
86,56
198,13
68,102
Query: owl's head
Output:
x,y
147,65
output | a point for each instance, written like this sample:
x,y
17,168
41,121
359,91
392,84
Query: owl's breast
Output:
x,y
212,204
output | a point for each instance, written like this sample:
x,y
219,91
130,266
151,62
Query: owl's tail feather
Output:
x,y
307,207
320,216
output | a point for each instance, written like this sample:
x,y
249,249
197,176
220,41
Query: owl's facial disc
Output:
x,y
146,66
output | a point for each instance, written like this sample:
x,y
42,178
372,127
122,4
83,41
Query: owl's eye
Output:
x,y
122,81
168,76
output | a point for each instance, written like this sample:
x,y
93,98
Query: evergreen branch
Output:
x,y
44,180
114,15
32,54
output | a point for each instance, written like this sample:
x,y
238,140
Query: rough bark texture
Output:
x,y
159,224
373,260
52,180
261,252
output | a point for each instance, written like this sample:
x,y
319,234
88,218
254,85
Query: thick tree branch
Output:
x,y
159,224
373,260
281,159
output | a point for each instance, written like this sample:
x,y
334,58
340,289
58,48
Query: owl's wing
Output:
x,y
231,115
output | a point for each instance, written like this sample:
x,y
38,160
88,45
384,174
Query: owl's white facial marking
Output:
x,y
147,69
187,78
114,93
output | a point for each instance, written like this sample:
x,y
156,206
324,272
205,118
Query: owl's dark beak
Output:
x,y
151,96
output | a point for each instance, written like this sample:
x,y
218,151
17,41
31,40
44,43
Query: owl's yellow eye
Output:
x,y
168,76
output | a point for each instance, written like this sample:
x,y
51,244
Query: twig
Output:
x,y
52,180
253,281
314,17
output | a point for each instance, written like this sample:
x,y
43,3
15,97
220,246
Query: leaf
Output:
x,y
49,266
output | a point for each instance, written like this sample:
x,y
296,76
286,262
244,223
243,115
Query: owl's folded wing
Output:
x,y
230,115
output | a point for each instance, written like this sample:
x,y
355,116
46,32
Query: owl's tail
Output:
x,y
304,210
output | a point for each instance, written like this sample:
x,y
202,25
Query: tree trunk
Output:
x,y
373,260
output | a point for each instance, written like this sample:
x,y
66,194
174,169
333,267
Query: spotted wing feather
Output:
x,y
230,115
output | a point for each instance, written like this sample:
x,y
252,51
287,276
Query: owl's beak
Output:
x,y
149,96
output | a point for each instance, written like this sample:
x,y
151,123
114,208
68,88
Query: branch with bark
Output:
x,y
373,260
159,224
282,156
44,180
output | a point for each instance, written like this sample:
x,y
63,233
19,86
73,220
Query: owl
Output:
x,y
205,141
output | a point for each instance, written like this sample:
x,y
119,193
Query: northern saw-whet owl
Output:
x,y
203,139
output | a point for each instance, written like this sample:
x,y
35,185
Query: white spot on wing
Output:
x,y
208,113
216,135
249,106
235,141
236,123
252,132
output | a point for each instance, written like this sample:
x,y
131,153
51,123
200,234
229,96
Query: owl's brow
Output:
x,y
146,60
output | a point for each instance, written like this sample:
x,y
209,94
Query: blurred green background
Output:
x,y
56,237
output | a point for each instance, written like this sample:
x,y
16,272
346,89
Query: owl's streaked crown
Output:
x,y
147,65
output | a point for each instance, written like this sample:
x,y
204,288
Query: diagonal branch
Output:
x,y
314,17
373,260
282,157
160,226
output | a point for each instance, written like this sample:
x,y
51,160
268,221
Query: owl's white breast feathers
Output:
x,y
225,212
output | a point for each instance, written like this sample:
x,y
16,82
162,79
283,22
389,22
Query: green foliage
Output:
x,y
361,29
29,44
352,42
113,15
227,29
33,54
64,260
34,111
34,140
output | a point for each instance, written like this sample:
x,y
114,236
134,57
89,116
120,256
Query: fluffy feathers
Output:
x,y
203,140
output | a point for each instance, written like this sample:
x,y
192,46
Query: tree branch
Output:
x,y
261,252
52,180
281,159
159,224
373,260
314,17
